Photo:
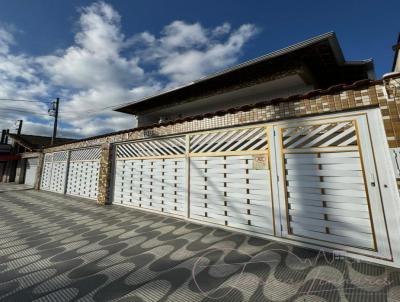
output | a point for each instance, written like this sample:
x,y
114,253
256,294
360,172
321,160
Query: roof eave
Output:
x,y
330,36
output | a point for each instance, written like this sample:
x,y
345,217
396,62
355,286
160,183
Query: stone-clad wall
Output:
x,y
384,94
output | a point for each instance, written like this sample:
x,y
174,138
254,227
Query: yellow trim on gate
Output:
x,y
365,184
284,151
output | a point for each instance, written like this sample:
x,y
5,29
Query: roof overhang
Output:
x,y
9,157
321,55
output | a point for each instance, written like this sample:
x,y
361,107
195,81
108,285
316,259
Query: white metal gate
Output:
x,y
310,181
83,172
151,175
30,171
230,179
54,172
46,172
329,192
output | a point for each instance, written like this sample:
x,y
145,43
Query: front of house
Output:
x,y
298,146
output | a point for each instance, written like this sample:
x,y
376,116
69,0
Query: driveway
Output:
x,y
60,248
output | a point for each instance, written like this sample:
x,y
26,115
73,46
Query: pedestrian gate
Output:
x,y
329,189
54,172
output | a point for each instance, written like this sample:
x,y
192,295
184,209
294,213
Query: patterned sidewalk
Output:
x,y
60,248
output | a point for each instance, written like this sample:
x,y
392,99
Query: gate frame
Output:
x,y
373,193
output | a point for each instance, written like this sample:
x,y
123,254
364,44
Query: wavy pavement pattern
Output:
x,y
60,248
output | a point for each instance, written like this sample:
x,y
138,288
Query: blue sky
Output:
x,y
99,54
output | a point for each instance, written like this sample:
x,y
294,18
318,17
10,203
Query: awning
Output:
x,y
9,157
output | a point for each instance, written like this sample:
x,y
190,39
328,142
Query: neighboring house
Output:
x,y
396,60
5,155
317,63
294,146
21,162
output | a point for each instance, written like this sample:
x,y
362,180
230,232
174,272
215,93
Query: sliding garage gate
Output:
x,y
83,172
55,172
151,175
230,180
73,172
31,170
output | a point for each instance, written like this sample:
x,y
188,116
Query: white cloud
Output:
x,y
6,39
104,68
186,52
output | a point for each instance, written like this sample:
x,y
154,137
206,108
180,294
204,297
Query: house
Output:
x,y
294,146
317,63
20,163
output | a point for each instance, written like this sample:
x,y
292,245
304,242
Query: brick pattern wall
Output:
x,y
104,174
385,95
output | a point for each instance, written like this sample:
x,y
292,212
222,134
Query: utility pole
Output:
x,y
6,137
55,112
3,136
19,127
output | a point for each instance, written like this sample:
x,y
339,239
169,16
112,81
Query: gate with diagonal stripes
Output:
x,y
329,193
310,181
151,175
230,181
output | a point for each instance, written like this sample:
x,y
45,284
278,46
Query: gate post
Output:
x,y
103,196
38,179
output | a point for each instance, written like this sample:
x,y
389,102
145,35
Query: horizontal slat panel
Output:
x,y
330,167
337,205
330,211
323,155
355,242
325,173
325,197
326,185
363,227
314,215
330,179
352,193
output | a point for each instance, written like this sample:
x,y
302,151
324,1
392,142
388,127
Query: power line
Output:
x,y
23,111
91,111
94,111
18,100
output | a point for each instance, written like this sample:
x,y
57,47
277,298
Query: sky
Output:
x,y
96,55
